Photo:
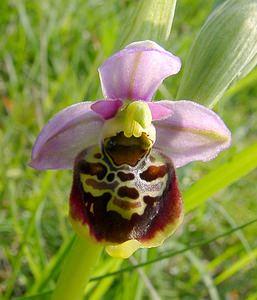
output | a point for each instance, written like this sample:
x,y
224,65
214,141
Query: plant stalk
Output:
x,y
77,269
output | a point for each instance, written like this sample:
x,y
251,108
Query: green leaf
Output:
x,y
224,51
236,267
38,296
53,267
152,20
221,177
95,290
242,84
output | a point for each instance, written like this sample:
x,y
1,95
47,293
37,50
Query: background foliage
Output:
x,y
49,54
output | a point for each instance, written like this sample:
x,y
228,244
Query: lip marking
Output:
x,y
101,185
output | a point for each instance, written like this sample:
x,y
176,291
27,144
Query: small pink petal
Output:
x,y
193,132
107,109
137,71
64,136
159,112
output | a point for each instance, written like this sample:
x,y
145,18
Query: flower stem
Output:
x,y
77,269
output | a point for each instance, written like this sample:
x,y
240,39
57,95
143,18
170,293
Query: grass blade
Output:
x,y
236,267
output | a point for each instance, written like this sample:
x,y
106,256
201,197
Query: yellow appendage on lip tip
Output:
x,y
126,249
123,250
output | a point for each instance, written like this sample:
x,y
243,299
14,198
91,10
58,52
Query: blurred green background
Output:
x,y
49,54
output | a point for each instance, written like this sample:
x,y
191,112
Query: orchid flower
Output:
x,y
124,150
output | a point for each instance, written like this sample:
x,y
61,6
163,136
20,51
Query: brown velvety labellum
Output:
x,y
123,150
135,202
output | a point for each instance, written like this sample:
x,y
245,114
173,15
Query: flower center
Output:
x,y
129,136
123,150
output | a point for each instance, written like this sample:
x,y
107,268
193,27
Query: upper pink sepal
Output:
x,y
158,111
107,109
64,136
193,132
136,72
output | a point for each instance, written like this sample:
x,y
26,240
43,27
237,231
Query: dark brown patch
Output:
x,y
127,205
125,176
97,169
150,200
129,151
110,177
169,207
98,155
154,172
105,197
131,193
129,155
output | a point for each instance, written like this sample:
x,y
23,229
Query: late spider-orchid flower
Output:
x,y
124,151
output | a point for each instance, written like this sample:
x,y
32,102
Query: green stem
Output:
x,y
77,270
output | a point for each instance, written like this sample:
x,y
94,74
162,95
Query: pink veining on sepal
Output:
x,y
193,132
106,108
137,71
64,136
